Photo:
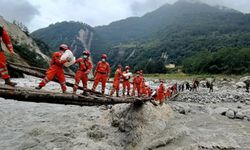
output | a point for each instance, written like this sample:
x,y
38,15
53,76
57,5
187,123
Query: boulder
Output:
x,y
240,85
221,110
245,78
239,115
230,114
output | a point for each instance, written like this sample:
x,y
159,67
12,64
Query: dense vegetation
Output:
x,y
170,34
33,58
43,47
225,60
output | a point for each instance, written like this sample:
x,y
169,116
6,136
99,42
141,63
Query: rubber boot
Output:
x,y
112,92
85,93
65,92
38,87
8,82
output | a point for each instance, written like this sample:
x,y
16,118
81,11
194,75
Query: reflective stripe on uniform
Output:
x,y
4,72
2,69
45,80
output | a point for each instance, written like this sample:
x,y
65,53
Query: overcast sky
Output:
x,y
40,13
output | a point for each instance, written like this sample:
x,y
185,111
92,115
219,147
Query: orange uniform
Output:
x,y
147,91
136,85
143,88
102,72
126,83
55,70
116,83
84,69
161,93
175,88
168,93
6,40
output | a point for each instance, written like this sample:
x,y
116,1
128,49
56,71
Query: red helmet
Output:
x,y
63,47
127,67
104,56
86,53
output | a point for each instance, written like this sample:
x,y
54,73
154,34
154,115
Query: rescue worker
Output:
x,y
3,69
182,87
210,86
148,91
195,85
168,93
126,83
116,83
136,84
143,84
175,88
85,67
188,86
102,73
56,69
141,75
161,93
143,87
247,82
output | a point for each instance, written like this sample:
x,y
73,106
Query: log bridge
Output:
x,y
33,95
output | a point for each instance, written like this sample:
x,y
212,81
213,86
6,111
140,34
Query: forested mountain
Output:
x,y
170,34
76,34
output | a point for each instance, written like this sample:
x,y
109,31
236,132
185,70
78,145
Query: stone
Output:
x,y
240,85
239,115
247,103
245,78
221,110
230,114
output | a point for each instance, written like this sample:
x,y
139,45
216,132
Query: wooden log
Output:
x,y
32,95
173,97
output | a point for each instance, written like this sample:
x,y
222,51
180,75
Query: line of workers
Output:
x,y
101,74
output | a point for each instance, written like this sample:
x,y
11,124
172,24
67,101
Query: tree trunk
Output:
x,y
32,95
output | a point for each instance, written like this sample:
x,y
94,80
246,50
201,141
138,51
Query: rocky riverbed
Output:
x,y
191,121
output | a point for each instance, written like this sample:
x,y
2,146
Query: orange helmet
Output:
x,y
63,47
104,56
86,53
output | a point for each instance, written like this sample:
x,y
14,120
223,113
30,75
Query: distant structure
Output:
x,y
170,66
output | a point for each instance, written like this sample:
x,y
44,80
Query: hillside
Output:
x,y
169,34
27,50
75,34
